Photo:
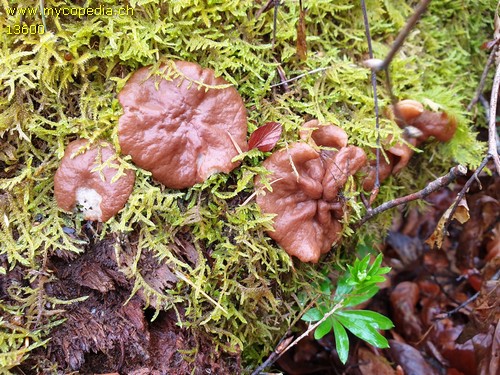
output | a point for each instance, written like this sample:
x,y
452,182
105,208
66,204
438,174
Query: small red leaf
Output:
x,y
265,137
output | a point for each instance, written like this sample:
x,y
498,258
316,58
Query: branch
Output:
x,y
403,34
376,186
441,182
299,76
483,78
306,333
492,130
466,187
471,299
492,136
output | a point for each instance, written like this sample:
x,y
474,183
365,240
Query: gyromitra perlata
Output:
x,y
304,195
181,123
86,181
424,124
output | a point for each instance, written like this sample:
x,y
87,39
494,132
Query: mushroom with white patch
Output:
x,y
87,180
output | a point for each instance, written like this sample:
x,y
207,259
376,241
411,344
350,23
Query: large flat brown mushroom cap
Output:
x,y
180,129
75,182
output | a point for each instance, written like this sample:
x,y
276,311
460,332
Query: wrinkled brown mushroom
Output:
x,y
180,125
432,124
435,124
323,135
305,201
80,181
410,114
398,157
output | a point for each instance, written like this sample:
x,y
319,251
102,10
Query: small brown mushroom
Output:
x,y
398,157
432,124
181,125
80,181
410,115
323,135
435,124
304,196
407,110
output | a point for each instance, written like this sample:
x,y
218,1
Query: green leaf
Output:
x,y
375,279
341,341
375,265
360,296
369,316
323,329
363,265
326,287
312,315
343,288
363,330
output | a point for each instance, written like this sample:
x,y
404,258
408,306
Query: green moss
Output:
x,y
63,84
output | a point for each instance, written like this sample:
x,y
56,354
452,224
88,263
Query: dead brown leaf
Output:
x,y
461,215
370,363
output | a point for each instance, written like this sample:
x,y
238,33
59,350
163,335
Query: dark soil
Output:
x,y
107,333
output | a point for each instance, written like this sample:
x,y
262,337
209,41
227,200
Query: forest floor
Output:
x,y
443,302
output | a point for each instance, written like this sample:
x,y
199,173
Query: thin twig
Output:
x,y
376,186
284,341
274,356
275,21
471,299
464,190
492,138
486,69
306,333
403,34
299,76
492,130
437,184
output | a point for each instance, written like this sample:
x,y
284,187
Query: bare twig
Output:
x,y
471,299
284,342
492,133
306,333
492,130
273,357
403,34
275,21
266,7
376,186
480,87
299,76
464,190
437,184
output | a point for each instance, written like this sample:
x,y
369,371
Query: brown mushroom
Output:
x,y
304,196
431,124
82,180
407,110
398,157
435,124
410,115
323,135
182,124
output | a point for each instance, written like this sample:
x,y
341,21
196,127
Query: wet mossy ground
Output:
x,y
199,255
